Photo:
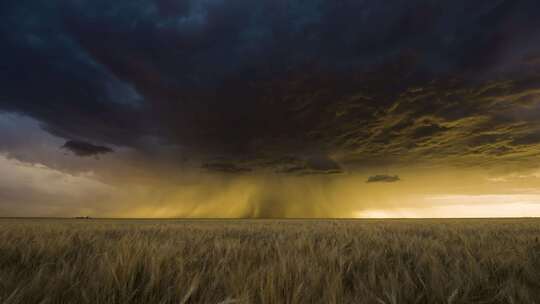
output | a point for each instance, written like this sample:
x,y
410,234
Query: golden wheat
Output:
x,y
267,261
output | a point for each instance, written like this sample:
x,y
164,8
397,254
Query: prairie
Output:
x,y
270,261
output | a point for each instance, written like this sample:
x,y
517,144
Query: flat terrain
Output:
x,y
270,261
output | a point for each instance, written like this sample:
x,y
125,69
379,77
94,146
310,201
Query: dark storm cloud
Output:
x,y
226,168
256,81
312,165
83,149
382,178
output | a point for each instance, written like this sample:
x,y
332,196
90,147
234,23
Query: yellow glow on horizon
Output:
x,y
465,206
443,192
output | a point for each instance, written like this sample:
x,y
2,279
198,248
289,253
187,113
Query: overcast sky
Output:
x,y
269,108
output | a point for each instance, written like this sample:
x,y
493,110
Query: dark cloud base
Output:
x,y
83,149
226,168
382,178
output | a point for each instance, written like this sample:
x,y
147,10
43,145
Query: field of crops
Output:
x,y
270,261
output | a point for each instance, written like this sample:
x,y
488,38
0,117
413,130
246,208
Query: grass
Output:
x,y
270,261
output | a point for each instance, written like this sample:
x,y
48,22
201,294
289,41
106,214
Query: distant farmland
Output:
x,y
270,261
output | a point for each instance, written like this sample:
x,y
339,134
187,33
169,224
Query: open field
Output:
x,y
270,261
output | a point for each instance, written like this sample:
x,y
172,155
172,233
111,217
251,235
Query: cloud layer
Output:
x,y
268,80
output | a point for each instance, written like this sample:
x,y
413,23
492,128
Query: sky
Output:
x,y
270,108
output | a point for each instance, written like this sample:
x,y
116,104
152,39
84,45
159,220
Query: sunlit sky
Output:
x,y
270,108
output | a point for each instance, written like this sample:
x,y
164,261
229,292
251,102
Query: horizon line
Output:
x,y
259,218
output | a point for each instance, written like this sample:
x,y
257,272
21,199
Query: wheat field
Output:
x,y
270,261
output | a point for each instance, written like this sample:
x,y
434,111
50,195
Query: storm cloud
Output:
x,y
226,168
83,149
255,80
383,178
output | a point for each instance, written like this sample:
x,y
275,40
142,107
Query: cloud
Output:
x,y
312,165
382,178
84,149
37,190
427,131
260,80
528,139
226,168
